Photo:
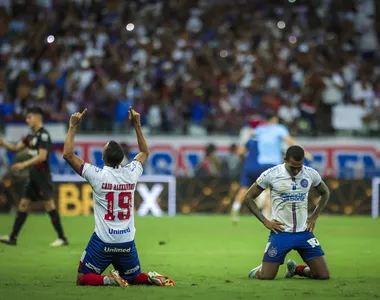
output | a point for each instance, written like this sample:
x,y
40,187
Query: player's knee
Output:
x,y
49,205
325,276
267,276
322,275
23,206
79,277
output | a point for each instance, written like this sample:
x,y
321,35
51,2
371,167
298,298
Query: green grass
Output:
x,y
206,256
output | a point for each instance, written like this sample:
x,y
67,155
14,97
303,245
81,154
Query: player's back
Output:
x,y
113,194
269,139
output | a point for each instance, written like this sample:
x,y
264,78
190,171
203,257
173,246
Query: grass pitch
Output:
x,y
206,256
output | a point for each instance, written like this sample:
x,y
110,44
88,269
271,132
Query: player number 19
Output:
x,y
124,202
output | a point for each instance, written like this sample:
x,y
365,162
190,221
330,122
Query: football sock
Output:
x,y
19,221
142,278
56,221
303,271
94,279
236,207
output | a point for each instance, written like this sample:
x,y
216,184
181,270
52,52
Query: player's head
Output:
x,y
210,150
294,158
34,116
113,154
272,118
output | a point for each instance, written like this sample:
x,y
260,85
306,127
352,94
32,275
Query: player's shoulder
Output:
x,y
272,171
310,171
92,168
281,127
133,166
44,134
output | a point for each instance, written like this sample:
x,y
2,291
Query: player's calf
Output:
x,y
305,271
266,271
113,279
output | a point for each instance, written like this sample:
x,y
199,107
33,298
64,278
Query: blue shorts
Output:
x,y
247,178
99,255
282,243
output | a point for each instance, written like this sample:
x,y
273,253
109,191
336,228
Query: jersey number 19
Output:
x,y
124,202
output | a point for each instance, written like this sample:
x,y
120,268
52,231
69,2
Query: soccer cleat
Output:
x,y
290,269
160,280
116,280
254,271
59,243
235,217
7,240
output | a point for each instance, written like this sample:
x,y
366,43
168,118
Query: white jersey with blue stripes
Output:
x,y
113,194
289,195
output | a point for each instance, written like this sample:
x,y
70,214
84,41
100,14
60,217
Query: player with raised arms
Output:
x,y
113,192
290,227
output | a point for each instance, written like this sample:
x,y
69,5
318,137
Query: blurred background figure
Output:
x,y
234,162
211,164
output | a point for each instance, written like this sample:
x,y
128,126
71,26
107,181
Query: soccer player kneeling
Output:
x,y
290,227
113,190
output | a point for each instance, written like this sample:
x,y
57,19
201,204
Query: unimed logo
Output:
x,y
117,250
119,231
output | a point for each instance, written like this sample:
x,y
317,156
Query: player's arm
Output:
x,y
35,160
142,156
249,199
68,148
12,147
291,141
324,193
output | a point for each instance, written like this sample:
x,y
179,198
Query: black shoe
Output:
x,y
8,241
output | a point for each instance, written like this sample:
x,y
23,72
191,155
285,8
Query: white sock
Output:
x,y
107,280
236,206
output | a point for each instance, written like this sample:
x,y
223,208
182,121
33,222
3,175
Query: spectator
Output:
x,y
203,65
234,162
362,91
211,164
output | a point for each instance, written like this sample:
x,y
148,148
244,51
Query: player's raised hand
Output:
x,y
311,223
134,116
274,226
76,118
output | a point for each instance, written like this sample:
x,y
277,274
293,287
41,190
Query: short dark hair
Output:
x,y
296,152
210,149
270,116
113,154
35,110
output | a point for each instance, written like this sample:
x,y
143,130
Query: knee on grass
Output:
x,y
322,276
267,277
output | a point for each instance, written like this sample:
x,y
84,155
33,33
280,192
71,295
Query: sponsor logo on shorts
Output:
x,y
272,252
304,183
131,271
117,250
92,267
119,231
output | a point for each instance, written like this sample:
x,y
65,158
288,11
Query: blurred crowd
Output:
x,y
194,67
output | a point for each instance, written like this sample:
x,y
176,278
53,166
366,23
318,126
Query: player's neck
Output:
x,y
37,127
